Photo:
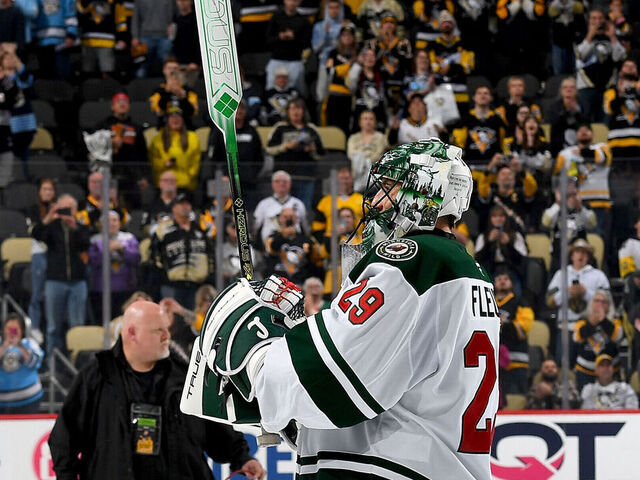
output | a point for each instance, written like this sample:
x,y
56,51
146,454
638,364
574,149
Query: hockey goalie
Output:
x,y
398,378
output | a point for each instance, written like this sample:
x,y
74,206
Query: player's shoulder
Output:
x,y
425,260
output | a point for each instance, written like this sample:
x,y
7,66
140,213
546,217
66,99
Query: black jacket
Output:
x,y
66,250
290,50
95,421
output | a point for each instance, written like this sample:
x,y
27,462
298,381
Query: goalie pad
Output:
x,y
237,331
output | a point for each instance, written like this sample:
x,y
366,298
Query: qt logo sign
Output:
x,y
531,464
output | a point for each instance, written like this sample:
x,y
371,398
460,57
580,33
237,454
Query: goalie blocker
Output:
x,y
237,331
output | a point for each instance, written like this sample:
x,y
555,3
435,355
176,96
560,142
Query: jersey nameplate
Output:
x,y
483,303
397,250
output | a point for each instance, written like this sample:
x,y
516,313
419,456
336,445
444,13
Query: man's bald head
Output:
x,y
145,334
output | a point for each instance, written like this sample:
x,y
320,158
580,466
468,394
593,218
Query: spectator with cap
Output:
x,y
160,208
177,149
124,255
277,98
182,252
425,26
546,394
20,359
605,393
174,93
370,13
583,281
288,35
129,167
451,62
597,332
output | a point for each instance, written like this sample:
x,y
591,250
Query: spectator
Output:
x,y
254,18
277,99
124,253
267,211
29,9
501,247
364,148
580,220
606,393
296,145
183,252
591,164
628,71
12,25
20,359
451,63
150,33
547,393
289,252
516,320
129,150
337,106
209,215
288,34
509,109
174,93
421,80
634,318
140,377
596,333
103,29
629,253
566,114
624,120
365,81
115,327
186,44
394,59
370,12
425,23
326,32
313,296
23,120
91,210
231,267
322,225
584,280
46,199
65,290
473,20
162,204
176,149
596,57
567,26
532,151
622,26
511,187
56,30
481,132
9,93
417,125
253,96
521,40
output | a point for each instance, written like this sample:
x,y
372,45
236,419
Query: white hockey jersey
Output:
x,y
397,380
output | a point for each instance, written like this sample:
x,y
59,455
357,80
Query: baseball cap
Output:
x,y
388,16
181,197
120,96
445,16
174,109
602,357
281,71
581,243
348,27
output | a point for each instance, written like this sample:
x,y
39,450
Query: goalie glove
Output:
x,y
241,325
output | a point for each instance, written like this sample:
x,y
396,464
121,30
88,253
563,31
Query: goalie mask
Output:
x,y
417,183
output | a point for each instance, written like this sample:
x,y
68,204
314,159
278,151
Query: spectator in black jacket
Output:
x,y
174,93
288,34
11,24
99,435
9,92
186,45
130,166
566,114
65,290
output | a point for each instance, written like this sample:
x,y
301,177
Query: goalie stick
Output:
x,y
224,92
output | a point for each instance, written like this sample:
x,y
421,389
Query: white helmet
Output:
x,y
434,182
